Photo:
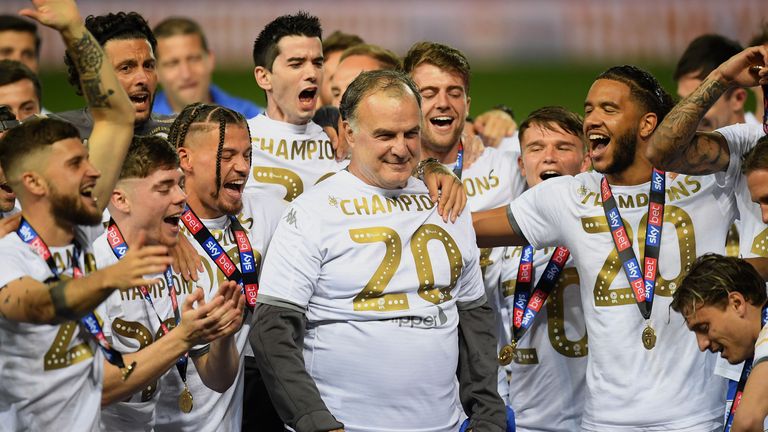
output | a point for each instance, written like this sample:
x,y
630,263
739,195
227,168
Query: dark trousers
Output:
x,y
258,413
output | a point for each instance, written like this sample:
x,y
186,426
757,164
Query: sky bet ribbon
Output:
x,y
743,380
249,277
89,321
120,248
459,167
527,305
642,284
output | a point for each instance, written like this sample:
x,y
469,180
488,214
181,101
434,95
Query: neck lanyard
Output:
x,y
119,247
527,305
743,378
458,168
249,276
642,283
89,321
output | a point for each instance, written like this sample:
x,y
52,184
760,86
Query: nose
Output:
x,y
179,197
441,100
703,341
764,211
550,154
400,147
312,72
91,170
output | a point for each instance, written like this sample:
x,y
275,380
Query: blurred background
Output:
x,y
524,53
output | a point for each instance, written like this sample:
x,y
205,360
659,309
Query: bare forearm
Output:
x,y
27,300
675,144
219,367
151,362
493,229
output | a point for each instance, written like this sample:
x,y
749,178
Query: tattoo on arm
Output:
x,y
694,153
88,58
59,300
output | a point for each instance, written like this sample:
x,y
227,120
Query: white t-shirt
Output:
x,y
753,234
547,383
50,375
289,159
214,411
130,324
382,351
672,386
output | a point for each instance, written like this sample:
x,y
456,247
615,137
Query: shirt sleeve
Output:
x,y
741,138
538,211
14,267
470,290
293,262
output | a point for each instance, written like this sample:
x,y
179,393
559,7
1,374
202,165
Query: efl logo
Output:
x,y
242,241
658,182
193,225
605,190
655,213
653,235
614,220
620,237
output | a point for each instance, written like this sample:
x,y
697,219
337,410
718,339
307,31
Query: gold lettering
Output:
x,y
626,201
641,199
691,181
298,149
282,149
406,202
428,204
482,183
493,180
268,147
343,206
311,148
376,205
416,201
361,205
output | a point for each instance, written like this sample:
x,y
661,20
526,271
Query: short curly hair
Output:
x,y
112,26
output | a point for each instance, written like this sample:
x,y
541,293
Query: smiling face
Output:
x,y
292,84
549,151
153,204
445,105
385,139
184,69
70,178
722,330
611,121
198,161
134,64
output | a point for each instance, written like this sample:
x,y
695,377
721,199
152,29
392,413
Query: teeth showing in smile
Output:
x,y
173,220
235,185
598,139
87,191
549,174
441,121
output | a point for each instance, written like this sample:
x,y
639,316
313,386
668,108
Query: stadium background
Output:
x,y
524,53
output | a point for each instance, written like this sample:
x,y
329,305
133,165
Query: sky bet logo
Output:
x,y
657,183
655,213
246,261
632,269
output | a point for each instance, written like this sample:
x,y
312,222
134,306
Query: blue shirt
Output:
x,y
218,96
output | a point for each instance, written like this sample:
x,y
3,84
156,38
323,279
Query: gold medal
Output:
x,y
185,400
507,353
127,370
649,337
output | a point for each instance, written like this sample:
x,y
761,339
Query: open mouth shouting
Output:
x,y
598,143
234,188
140,100
442,122
87,192
308,98
548,174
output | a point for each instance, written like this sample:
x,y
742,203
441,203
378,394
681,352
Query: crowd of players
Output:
x,y
315,261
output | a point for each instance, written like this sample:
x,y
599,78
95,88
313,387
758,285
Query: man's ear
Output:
x,y
263,77
738,303
34,183
185,159
349,133
647,125
119,200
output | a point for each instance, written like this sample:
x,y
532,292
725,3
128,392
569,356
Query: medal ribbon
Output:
x,y
743,379
642,284
119,247
765,108
527,305
89,321
248,279
458,168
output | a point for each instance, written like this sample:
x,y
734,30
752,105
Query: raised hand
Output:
x,y
220,317
748,68
446,190
57,14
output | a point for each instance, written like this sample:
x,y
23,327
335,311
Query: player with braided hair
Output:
x,y
213,143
